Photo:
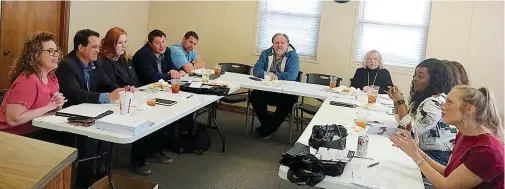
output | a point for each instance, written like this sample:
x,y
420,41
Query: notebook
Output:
x,y
84,110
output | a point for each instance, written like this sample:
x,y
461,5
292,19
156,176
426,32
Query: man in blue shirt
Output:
x,y
281,62
184,55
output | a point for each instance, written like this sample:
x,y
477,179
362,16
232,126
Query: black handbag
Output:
x,y
329,136
304,169
219,90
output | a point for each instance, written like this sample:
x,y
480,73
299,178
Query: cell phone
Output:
x,y
255,78
81,121
335,103
165,102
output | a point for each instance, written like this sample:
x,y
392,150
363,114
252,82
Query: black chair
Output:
x,y
241,96
298,79
313,78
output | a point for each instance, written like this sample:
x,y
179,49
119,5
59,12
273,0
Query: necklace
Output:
x,y
368,80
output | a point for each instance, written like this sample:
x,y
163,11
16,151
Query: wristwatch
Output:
x,y
401,101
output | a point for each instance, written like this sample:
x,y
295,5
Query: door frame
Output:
x,y
64,24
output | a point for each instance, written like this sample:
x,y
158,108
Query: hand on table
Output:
x,y
114,95
174,74
198,63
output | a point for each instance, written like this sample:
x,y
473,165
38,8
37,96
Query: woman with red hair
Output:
x,y
121,71
112,56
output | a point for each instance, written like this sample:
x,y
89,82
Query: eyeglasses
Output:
x,y
52,52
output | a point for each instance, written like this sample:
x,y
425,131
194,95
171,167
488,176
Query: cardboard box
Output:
x,y
123,182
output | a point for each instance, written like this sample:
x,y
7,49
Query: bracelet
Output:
x,y
419,162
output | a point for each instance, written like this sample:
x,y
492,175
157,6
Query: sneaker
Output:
x,y
141,169
161,158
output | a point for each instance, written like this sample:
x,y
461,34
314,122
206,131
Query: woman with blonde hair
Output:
x,y
35,89
477,158
372,73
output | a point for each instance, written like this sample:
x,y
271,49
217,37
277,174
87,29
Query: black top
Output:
x,y
120,72
146,65
363,74
70,75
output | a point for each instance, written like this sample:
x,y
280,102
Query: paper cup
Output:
x,y
125,101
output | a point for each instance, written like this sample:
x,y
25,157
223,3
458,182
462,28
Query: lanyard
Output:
x,y
368,80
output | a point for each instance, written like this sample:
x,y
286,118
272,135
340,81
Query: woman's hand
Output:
x,y
404,141
394,93
56,102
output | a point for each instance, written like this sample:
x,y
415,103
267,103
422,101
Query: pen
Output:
x,y
363,157
374,164
189,96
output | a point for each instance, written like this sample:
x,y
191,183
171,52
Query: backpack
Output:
x,y
188,137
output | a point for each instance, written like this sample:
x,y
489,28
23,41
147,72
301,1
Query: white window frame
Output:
x,y
303,58
404,70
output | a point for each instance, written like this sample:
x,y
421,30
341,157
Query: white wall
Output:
x,y
470,32
100,16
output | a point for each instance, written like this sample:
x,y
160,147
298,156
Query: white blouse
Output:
x,y
427,121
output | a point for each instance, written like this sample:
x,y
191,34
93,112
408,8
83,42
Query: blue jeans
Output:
x,y
441,157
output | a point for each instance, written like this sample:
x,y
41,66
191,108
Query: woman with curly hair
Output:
x,y
34,89
430,84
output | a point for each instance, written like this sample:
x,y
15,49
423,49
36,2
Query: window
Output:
x,y
396,28
299,19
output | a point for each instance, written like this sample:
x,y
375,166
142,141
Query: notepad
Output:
x,y
371,177
85,110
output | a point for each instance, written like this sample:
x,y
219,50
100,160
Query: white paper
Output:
x,y
371,177
380,130
331,154
367,177
195,84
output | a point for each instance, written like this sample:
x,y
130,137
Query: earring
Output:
x,y
463,122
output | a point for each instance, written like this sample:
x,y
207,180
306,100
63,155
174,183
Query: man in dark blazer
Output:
x,y
82,80
153,61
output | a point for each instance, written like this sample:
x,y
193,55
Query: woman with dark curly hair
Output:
x,y
34,89
430,84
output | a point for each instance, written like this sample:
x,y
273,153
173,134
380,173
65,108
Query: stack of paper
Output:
x,y
123,123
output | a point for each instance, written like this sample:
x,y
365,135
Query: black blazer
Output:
x,y
71,79
146,67
363,74
121,72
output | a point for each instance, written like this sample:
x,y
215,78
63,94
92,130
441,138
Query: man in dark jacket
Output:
x,y
82,80
153,61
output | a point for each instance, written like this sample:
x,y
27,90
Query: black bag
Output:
x,y
212,89
329,136
304,168
188,137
